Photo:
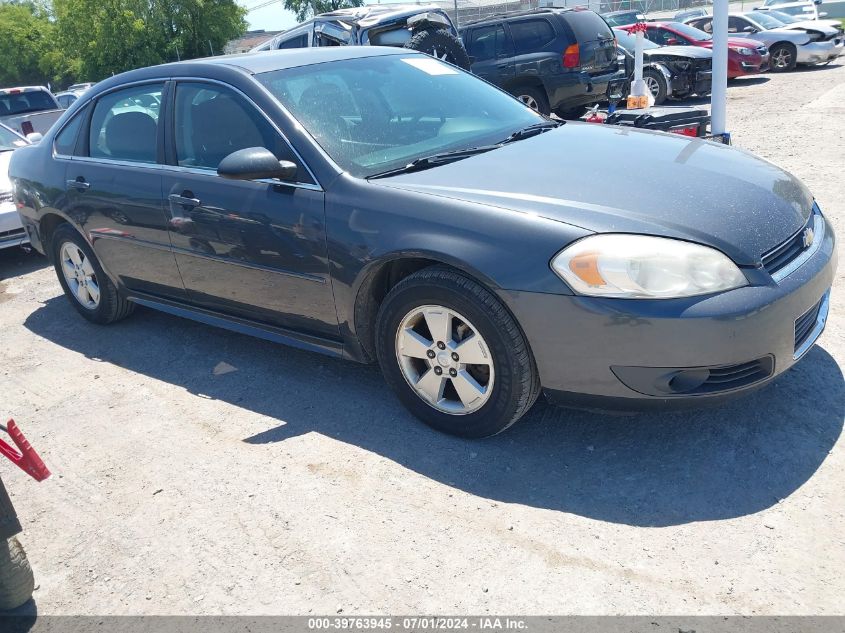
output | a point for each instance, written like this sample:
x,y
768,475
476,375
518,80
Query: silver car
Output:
x,y
787,46
11,229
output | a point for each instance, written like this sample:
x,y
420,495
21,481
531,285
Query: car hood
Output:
x,y
606,178
827,27
691,52
734,42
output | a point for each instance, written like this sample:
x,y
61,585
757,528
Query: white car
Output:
x,y
799,22
788,46
11,229
806,10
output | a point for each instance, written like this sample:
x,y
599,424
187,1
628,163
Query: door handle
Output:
x,y
79,184
185,199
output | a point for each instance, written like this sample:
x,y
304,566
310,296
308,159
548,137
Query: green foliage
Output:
x,y
26,41
304,9
88,40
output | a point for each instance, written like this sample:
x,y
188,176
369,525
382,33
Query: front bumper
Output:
x,y
613,353
820,52
11,229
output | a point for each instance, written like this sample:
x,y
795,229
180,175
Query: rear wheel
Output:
x,y
782,58
16,580
83,280
535,98
441,44
656,84
454,355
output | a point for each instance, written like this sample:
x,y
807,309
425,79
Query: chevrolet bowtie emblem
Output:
x,y
808,237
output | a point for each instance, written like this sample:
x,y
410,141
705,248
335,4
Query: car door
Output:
x,y
114,189
491,52
252,249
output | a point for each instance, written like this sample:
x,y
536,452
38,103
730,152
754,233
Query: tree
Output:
x,y
112,36
28,37
304,9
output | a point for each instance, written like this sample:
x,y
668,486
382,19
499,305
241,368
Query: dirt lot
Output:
x,y
297,484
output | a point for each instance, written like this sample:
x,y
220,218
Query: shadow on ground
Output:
x,y
645,470
16,261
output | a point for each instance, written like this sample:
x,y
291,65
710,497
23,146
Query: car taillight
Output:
x,y
690,130
571,56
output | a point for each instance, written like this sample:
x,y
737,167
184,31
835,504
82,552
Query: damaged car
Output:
x,y
669,72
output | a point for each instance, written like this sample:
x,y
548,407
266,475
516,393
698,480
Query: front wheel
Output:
x,y
454,355
16,580
782,58
655,81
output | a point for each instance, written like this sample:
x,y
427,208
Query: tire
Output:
x,y
506,370
441,44
656,83
534,97
782,58
16,580
571,113
109,306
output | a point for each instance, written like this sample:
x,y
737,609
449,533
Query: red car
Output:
x,y
745,56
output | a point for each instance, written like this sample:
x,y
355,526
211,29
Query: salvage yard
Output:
x,y
197,471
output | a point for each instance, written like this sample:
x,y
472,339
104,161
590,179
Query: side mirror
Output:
x,y
749,29
255,163
34,137
672,41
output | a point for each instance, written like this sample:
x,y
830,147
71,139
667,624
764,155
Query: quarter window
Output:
x,y
124,125
300,41
212,121
65,143
531,35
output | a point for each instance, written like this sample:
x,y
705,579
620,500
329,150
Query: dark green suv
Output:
x,y
554,60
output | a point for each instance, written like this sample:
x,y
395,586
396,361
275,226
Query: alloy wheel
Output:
x,y
445,360
782,58
530,101
653,86
80,276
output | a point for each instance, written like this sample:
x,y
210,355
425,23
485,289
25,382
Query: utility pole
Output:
x,y
210,48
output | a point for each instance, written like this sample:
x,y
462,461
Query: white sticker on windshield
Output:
x,y
430,65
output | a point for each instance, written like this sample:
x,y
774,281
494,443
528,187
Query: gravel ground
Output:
x,y
298,484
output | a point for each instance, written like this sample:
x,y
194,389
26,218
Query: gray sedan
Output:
x,y
383,206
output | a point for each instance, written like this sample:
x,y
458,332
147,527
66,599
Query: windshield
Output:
x,y
690,31
9,140
628,41
374,114
763,19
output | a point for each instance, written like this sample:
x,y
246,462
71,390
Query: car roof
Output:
x,y
498,17
262,61
621,12
374,12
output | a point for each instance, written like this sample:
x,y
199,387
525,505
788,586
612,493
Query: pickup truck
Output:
x,y
29,109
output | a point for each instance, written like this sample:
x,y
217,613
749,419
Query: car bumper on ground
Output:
x,y
820,52
633,354
11,230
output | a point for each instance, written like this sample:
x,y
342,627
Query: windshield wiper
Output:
x,y
532,130
435,159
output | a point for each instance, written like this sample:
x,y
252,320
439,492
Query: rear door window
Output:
x,y
488,42
531,35
124,124
301,41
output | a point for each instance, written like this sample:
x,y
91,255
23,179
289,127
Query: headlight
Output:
x,y
645,267
745,51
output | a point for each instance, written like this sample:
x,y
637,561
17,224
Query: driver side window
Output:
x,y
211,122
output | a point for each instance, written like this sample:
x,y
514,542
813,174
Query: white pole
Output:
x,y
719,91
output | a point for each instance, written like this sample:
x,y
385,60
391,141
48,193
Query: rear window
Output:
x,y
24,102
531,35
588,26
